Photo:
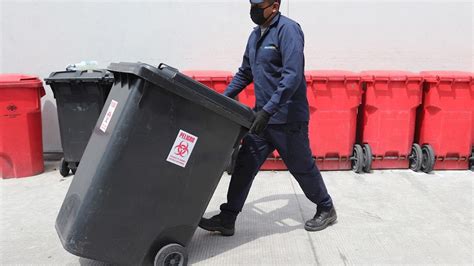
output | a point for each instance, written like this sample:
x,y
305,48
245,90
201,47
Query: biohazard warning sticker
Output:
x,y
182,148
108,116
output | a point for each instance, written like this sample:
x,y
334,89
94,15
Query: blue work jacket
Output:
x,y
274,61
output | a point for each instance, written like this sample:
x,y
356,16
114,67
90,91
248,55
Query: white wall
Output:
x,y
38,37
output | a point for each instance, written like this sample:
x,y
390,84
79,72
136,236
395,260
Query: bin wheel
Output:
x,y
428,161
64,168
367,151
416,157
172,254
357,159
74,169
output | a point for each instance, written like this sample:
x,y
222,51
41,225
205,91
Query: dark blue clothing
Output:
x,y
275,63
291,141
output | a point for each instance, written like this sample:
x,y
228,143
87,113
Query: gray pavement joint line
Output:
x,y
313,248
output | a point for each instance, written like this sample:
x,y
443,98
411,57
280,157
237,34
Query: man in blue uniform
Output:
x,y
274,61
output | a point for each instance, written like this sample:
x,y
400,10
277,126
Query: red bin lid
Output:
x,y
389,75
442,75
208,74
21,81
335,75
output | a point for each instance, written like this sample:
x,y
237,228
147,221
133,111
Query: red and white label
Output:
x,y
108,116
182,148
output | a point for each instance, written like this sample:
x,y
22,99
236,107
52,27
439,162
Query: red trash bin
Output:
x,y
471,160
387,128
446,128
215,79
274,162
21,143
334,98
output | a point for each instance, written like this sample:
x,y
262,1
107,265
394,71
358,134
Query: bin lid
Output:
x,y
21,81
389,75
442,75
331,75
175,82
96,75
209,75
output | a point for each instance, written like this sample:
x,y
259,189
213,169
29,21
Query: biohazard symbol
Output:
x,y
12,108
181,149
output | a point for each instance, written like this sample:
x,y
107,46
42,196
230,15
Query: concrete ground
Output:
x,y
387,217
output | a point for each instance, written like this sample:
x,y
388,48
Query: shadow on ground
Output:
x,y
276,214
264,217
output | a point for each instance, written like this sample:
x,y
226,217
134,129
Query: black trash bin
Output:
x,y
155,157
80,96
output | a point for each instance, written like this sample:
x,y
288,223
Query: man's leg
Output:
x,y
252,155
292,142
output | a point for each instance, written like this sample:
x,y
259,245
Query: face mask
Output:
x,y
257,16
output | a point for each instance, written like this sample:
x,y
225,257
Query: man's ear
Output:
x,y
276,6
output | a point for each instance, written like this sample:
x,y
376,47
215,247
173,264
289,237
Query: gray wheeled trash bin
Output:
x,y
80,97
152,164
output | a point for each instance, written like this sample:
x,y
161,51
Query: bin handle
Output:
x,y
446,80
412,79
325,80
163,65
169,72
382,78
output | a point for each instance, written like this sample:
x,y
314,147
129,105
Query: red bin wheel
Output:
x,y
357,159
367,158
428,161
64,168
416,157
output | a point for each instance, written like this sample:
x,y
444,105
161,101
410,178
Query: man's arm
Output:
x,y
242,78
291,47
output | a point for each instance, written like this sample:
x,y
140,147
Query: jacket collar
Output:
x,y
275,20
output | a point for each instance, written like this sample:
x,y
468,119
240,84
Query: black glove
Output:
x,y
260,122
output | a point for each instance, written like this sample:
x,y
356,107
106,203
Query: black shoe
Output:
x,y
321,220
225,224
